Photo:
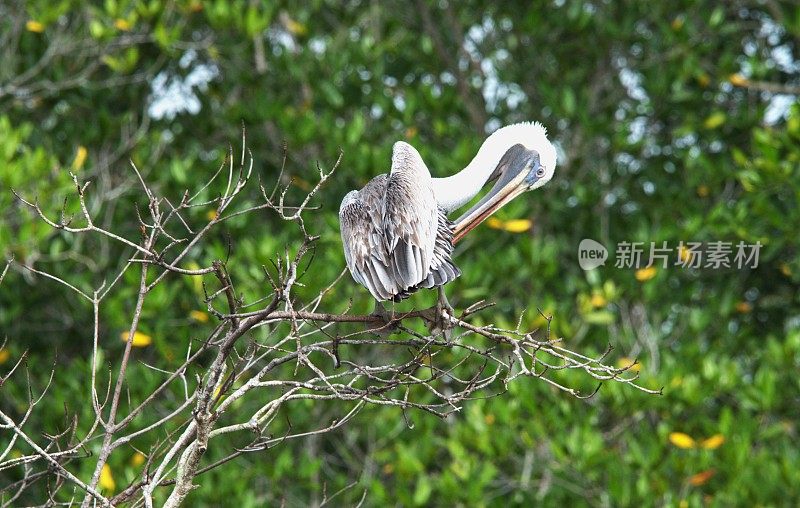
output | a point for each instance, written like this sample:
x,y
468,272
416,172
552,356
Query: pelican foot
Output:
x,y
386,325
439,316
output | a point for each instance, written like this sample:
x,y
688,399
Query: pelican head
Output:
x,y
527,164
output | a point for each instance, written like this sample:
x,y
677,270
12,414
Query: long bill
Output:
x,y
514,169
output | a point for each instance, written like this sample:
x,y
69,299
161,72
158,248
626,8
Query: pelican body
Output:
x,y
396,233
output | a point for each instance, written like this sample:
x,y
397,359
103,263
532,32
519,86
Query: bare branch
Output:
x,y
265,355
47,456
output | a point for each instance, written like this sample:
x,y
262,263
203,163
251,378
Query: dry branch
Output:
x,y
271,352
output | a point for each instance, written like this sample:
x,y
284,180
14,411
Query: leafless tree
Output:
x,y
276,350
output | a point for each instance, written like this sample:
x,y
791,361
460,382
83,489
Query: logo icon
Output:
x,y
591,254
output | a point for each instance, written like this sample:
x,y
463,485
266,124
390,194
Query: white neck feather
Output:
x,y
455,191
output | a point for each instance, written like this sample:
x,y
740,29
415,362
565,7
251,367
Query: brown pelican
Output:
x,y
396,234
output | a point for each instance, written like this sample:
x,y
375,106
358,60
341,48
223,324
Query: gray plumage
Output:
x,y
396,237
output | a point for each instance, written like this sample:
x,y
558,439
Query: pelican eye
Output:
x,y
540,172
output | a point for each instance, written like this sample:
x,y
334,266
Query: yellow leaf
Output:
x,y
682,440
4,355
494,223
34,26
197,280
644,274
738,80
80,158
107,479
512,226
217,390
388,468
785,269
713,442
677,23
489,419
211,214
199,316
295,27
540,321
701,478
139,339
598,301
122,25
743,307
703,80
302,184
628,362
138,459
518,225
411,132
702,191
715,120
684,254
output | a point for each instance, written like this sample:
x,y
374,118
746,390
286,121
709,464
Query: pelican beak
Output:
x,y
515,174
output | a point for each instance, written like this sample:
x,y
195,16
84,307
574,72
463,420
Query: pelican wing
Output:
x,y
410,217
362,237
442,270
396,237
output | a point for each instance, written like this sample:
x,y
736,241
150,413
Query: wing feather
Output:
x,y
442,269
364,246
409,216
396,238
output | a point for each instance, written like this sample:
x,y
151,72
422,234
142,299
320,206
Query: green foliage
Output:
x,y
659,113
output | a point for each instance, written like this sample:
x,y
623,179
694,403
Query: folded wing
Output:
x,y
396,238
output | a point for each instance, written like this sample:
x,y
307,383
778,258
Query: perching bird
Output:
x,y
396,234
